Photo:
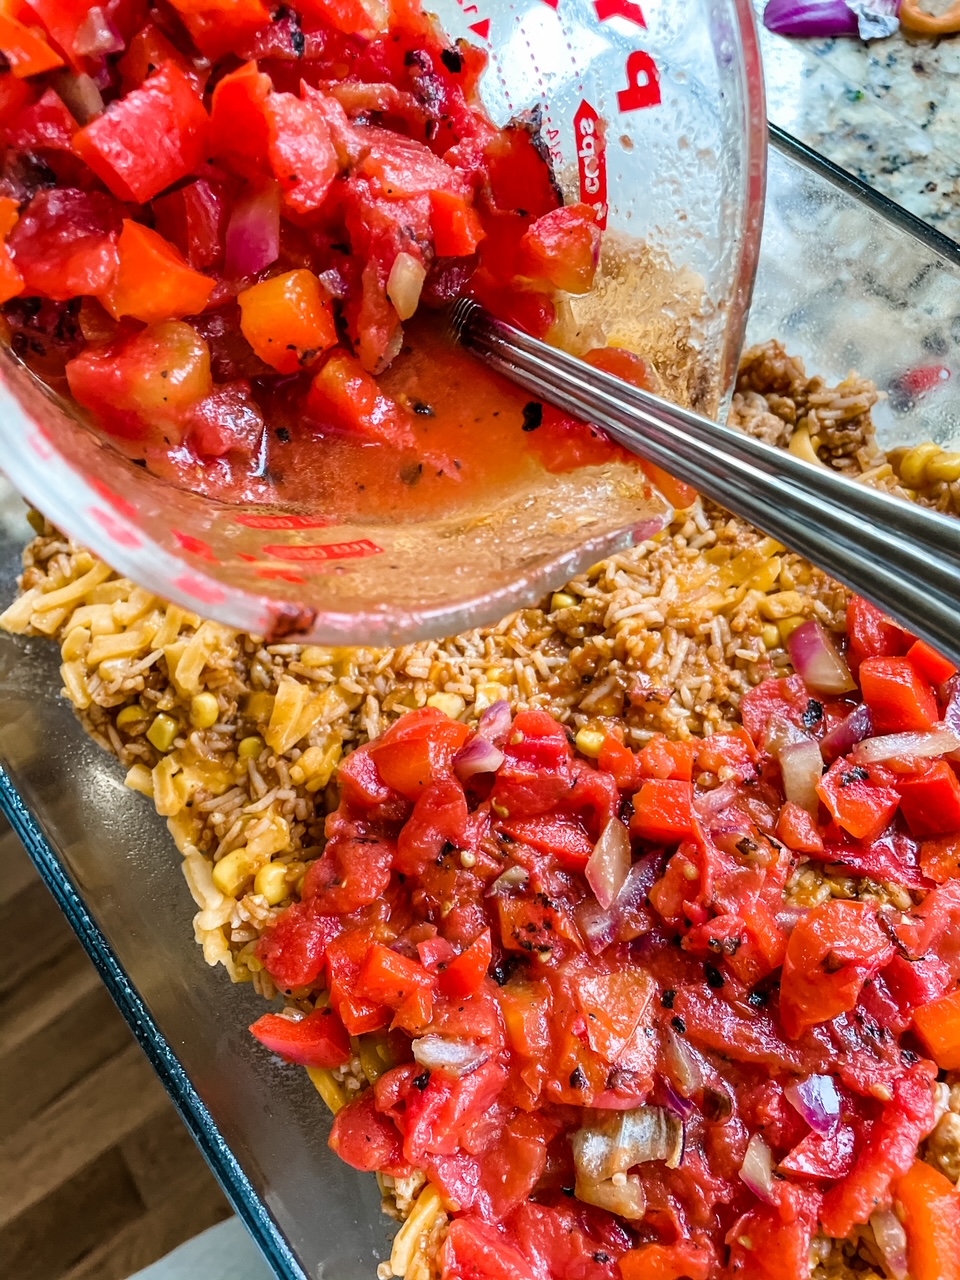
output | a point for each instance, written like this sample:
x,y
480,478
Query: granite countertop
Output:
x,y
881,110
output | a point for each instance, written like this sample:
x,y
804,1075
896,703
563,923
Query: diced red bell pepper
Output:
x,y
859,797
318,1040
300,150
44,125
667,1262
344,395
797,829
763,946
239,134
930,1206
561,835
530,311
765,1247
14,96
288,320
149,139
464,976
913,983
25,49
662,758
872,634
65,244
663,811
899,698
938,1025
11,281
367,1140
932,666
930,801
621,762
294,949
153,282
457,229
143,385
147,52
562,249
389,978
62,20
831,953
940,859
194,218
344,959
220,26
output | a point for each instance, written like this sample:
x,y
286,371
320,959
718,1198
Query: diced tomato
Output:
x,y
149,139
147,52
15,94
822,1156
301,153
194,218
517,177
532,312
930,801
153,282
667,1262
938,1025
351,17
143,386
663,811
44,125
457,229
728,751
318,1040
227,421
940,859
798,831
62,19
389,978
25,48
888,1152
831,953
417,749
562,836
932,666
65,243
621,762
352,873
219,26
762,949
366,1139
11,281
899,698
288,320
872,634
859,798
464,976
930,1206
787,698
917,982
344,395
562,249
239,133
764,1247
293,950
345,956
475,1250
661,758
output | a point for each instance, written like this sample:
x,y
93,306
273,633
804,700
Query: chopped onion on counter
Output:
x,y
477,756
609,863
757,1169
802,767
455,1057
815,657
817,1101
934,742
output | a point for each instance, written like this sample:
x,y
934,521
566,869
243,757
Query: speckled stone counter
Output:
x,y
888,111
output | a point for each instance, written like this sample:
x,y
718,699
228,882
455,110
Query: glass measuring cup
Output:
x,y
652,114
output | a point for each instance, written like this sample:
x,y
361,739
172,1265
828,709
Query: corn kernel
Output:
x,y
562,600
787,626
914,464
250,748
946,467
134,714
271,882
204,710
589,741
468,859
782,604
770,636
451,704
328,1087
163,731
487,694
232,872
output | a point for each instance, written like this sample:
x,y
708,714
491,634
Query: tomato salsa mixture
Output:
x,y
604,1030
216,219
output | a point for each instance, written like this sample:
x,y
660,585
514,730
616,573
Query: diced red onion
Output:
x,y
405,284
599,927
802,767
477,756
253,232
810,18
609,863
684,1107
843,737
81,94
781,733
934,742
710,803
681,1061
892,1243
512,878
817,1101
96,35
495,722
757,1169
815,658
454,1057
625,1198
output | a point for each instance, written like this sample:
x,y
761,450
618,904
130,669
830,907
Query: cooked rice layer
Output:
x,y
236,742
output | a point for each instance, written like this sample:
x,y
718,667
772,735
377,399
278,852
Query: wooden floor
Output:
x,y
98,1176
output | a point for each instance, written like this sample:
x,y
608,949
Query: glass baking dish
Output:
x,y
846,280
